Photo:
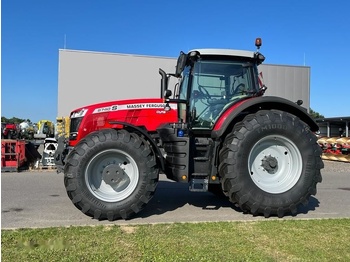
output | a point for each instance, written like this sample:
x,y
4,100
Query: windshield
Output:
x,y
215,85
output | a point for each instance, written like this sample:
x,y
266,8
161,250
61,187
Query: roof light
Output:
x,y
258,42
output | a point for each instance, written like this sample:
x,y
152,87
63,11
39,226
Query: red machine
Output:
x,y
215,130
10,131
13,154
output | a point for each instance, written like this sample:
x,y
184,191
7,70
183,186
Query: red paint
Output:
x,y
147,113
223,117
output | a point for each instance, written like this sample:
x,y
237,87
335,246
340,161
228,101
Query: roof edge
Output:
x,y
112,53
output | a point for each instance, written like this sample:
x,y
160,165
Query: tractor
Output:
x,y
215,130
10,131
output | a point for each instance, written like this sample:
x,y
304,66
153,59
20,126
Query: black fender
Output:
x,y
149,138
232,113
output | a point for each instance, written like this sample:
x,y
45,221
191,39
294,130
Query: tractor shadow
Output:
x,y
170,196
311,206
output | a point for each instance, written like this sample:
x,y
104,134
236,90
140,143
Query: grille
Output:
x,y
74,124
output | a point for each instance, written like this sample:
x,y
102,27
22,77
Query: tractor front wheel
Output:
x,y
111,174
270,163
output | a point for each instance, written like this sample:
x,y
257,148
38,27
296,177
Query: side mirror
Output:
x,y
167,94
259,57
181,63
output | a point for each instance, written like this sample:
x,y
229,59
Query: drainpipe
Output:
x,y
328,130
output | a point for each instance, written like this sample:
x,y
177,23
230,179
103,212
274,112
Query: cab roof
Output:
x,y
224,52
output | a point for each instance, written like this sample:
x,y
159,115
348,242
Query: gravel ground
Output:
x,y
335,166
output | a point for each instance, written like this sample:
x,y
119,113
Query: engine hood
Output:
x,y
110,106
147,113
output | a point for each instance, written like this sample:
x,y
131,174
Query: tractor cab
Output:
x,y
211,80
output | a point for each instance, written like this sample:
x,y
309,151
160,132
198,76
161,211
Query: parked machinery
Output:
x,y
27,130
62,127
50,146
10,131
45,129
3,125
335,148
13,154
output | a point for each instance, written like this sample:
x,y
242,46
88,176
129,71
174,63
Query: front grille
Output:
x,y
74,124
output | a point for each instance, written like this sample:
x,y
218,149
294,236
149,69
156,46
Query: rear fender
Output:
x,y
235,113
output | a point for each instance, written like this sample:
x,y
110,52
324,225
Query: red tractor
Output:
x,y
215,131
10,131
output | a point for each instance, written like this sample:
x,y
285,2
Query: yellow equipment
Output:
x,y
62,128
45,129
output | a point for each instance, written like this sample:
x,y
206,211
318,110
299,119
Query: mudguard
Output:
x,y
145,134
260,103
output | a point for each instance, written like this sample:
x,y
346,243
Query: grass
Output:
x,y
273,240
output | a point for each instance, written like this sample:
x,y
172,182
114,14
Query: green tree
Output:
x,y
315,115
14,120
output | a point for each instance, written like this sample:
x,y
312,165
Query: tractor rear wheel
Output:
x,y
270,163
111,174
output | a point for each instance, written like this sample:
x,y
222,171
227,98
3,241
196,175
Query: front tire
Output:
x,y
111,174
270,163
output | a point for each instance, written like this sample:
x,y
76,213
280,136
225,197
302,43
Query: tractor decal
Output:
x,y
133,106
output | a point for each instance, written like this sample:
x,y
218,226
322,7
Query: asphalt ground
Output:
x,y
37,199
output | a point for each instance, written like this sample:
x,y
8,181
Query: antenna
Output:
x,y
304,58
65,40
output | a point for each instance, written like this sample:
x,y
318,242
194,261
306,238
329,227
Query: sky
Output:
x,y
312,33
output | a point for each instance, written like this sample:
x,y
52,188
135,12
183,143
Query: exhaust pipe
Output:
x,y
163,82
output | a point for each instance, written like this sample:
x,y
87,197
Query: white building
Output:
x,y
90,77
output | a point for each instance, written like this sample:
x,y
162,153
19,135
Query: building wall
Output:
x,y
290,82
334,127
90,77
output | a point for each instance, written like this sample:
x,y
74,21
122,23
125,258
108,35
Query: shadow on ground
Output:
x,y
171,196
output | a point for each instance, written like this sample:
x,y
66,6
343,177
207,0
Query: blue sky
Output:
x,y
316,33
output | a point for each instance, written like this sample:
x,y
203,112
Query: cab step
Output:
x,y
199,184
201,158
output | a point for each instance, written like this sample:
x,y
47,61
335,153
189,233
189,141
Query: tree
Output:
x,y
14,120
315,115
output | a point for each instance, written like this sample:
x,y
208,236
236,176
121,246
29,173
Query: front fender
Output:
x,y
260,103
145,134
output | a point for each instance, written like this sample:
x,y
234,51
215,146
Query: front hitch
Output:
x,y
61,153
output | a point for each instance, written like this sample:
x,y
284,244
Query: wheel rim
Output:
x,y
112,175
275,164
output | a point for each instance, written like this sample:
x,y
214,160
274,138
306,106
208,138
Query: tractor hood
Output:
x,y
119,105
146,113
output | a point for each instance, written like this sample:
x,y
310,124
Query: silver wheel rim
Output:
x,y
112,175
275,164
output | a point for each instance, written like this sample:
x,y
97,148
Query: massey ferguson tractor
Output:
x,y
215,131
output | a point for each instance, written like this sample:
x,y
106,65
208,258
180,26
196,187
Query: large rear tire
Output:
x,y
270,163
111,174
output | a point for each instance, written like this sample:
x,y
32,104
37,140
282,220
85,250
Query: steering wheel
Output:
x,y
204,92
239,89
